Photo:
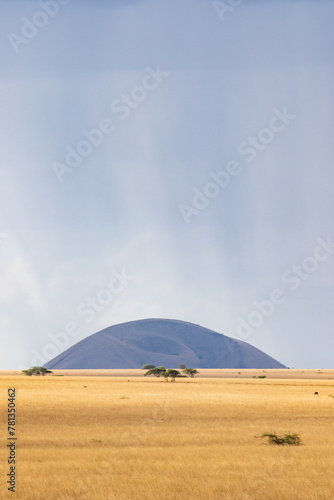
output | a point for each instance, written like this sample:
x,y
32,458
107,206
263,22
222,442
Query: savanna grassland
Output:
x,y
134,438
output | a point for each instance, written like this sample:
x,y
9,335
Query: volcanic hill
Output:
x,y
164,342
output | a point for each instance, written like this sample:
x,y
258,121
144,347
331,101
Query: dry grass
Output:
x,y
121,440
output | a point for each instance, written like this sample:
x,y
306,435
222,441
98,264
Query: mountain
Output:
x,y
160,342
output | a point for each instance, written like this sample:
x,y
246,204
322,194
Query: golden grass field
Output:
x,y
128,437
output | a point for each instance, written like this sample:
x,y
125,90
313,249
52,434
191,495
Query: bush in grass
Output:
x,y
293,439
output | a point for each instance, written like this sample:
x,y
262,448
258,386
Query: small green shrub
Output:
x,y
147,367
293,439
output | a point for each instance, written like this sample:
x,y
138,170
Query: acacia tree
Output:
x,y
172,374
37,370
157,371
161,371
191,372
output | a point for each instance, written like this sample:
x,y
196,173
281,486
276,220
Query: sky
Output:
x,y
167,159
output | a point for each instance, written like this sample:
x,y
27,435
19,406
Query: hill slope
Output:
x,y
160,342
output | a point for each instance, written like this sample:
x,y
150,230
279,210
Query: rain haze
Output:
x,y
167,159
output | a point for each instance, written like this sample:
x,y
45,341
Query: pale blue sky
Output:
x,y
222,83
